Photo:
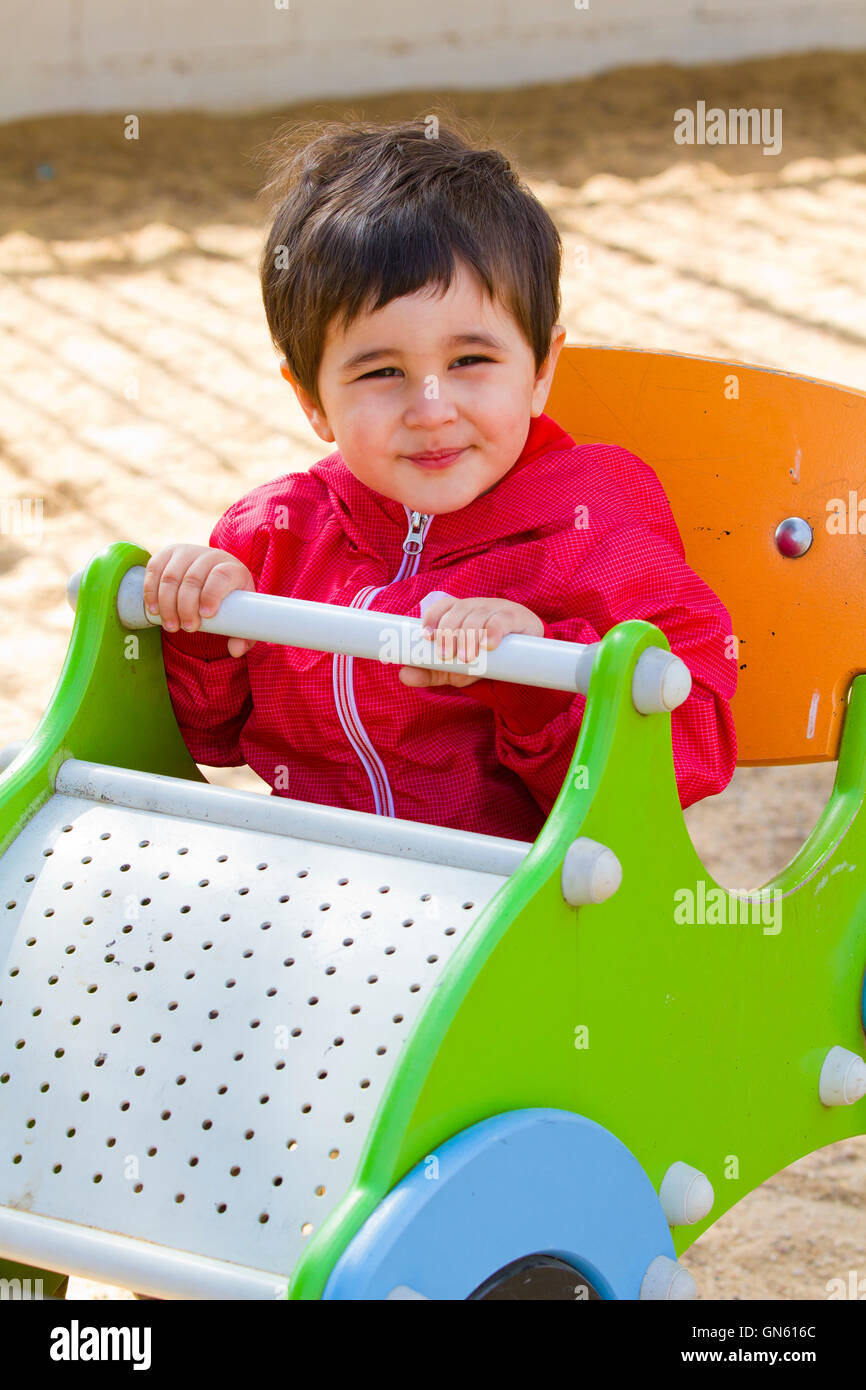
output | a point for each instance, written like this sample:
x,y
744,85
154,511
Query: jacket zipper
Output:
x,y
343,669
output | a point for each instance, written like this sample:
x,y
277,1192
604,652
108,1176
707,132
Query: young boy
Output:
x,y
411,285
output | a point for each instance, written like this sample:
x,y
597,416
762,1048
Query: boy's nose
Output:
x,y
430,405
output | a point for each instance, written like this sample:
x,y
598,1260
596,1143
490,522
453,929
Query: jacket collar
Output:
x,y
376,523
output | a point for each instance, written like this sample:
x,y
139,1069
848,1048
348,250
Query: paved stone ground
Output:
x,y
139,394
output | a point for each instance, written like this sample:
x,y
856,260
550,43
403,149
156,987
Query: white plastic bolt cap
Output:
x,y
676,683
660,683
686,1195
666,1280
404,1291
73,584
591,873
843,1077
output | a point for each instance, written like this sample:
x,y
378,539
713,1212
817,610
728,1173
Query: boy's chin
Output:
x,y
449,498
447,502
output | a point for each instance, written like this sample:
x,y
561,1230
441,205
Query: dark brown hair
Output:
x,y
367,212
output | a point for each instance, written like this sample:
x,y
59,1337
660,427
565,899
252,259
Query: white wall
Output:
x,y
134,55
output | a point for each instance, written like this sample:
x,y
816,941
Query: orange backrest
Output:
x,y
738,449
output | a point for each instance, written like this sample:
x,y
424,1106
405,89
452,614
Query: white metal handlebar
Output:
x,y
661,680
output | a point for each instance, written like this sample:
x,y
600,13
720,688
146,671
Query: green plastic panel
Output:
x,y
110,704
697,1041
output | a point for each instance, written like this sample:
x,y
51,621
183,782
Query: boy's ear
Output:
x,y
544,378
315,416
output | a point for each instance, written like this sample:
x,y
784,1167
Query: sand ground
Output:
x,y
139,394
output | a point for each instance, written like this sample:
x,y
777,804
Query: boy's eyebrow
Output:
x,y
457,340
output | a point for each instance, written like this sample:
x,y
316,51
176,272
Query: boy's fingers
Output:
x,y
152,576
204,578
421,676
167,599
458,644
205,585
239,646
454,644
414,675
189,597
432,614
460,630
172,599
219,583
489,623
444,617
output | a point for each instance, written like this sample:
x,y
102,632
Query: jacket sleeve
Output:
x,y
633,572
209,689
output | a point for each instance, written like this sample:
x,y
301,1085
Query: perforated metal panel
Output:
x,y
197,1021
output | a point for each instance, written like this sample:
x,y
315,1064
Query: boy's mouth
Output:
x,y
441,458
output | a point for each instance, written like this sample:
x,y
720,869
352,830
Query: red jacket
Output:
x,y
490,757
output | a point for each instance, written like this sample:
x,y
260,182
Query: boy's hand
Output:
x,y
185,583
464,628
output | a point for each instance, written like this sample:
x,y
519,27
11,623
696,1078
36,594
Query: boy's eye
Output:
x,y
381,370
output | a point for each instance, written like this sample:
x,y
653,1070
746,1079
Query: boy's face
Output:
x,y
440,373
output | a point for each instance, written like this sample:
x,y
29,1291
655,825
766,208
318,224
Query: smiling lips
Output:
x,y
441,458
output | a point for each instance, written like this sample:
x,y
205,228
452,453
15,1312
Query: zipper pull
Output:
x,y
414,543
